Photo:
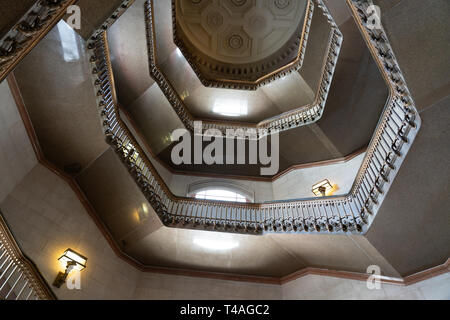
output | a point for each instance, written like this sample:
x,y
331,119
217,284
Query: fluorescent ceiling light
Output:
x,y
216,244
231,107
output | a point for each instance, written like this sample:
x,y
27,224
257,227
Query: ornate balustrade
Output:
x,y
295,118
353,213
19,278
30,29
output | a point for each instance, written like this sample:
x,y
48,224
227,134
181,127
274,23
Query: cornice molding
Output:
x,y
27,33
232,76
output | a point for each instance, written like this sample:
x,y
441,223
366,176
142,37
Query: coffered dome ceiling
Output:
x,y
249,41
173,96
241,42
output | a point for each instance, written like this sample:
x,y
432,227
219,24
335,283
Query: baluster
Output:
x,y
3,254
184,211
316,219
342,216
9,277
22,290
7,268
29,294
194,213
14,285
329,217
305,226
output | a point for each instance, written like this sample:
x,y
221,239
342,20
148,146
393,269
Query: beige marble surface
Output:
x,y
55,82
314,287
17,157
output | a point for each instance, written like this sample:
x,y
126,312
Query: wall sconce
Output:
x,y
70,260
320,189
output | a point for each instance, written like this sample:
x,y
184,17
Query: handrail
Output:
x,y
19,277
295,118
30,29
353,213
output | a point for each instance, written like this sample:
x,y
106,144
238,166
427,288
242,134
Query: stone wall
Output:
x,y
17,157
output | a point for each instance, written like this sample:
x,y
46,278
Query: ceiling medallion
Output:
x,y
242,44
282,4
235,41
239,3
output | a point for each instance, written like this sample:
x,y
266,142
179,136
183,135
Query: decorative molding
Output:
x,y
301,116
234,34
27,33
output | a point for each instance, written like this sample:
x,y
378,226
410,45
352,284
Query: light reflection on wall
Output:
x,y
215,242
69,42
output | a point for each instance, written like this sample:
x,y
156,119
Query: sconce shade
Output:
x,y
321,188
72,256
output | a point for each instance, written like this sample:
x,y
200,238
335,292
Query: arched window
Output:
x,y
220,195
220,191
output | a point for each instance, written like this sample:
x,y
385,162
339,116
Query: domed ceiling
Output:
x,y
241,42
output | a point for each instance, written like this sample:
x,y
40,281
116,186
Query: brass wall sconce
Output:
x,y
70,260
320,189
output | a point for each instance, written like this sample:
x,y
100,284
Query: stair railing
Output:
x,y
352,213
